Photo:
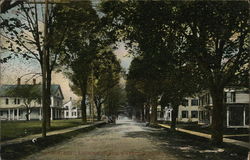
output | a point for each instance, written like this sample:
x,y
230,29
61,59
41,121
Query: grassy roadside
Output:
x,y
21,150
17,129
198,148
207,130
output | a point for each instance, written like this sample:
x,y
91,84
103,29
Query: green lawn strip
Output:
x,y
21,150
17,129
206,129
199,148
240,138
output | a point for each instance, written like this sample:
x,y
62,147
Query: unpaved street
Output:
x,y
126,140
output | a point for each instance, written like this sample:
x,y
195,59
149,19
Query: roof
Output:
x,y
4,89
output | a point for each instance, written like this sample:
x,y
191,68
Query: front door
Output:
x,y
236,115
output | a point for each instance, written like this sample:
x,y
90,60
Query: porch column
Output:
x,y
59,114
244,116
17,114
227,116
210,118
51,113
40,114
13,114
8,114
170,115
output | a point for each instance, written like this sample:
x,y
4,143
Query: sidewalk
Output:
x,y
208,136
61,131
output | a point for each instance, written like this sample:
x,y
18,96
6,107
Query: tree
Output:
x,y
135,97
23,36
116,99
8,4
107,74
81,46
146,78
29,94
215,36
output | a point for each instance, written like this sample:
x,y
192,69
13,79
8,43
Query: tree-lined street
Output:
x,y
128,140
189,68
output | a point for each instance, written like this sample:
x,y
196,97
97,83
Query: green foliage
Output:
x,y
204,41
116,100
107,74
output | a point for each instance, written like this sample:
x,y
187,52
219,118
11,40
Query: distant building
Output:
x,y
13,108
236,100
199,109
188,111
72,109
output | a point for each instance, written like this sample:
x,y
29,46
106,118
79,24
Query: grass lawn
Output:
x,y
21,150
207,129
198,148
241,138
16,129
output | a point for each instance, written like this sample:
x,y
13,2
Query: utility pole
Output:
x,y
44,72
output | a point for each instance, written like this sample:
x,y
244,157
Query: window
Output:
x,y
184,114
207,98
1,113
194,102
15,112
6,101
229,97
67,114
233,96
18,101
15,101
194,114
57,103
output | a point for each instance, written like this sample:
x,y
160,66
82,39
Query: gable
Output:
x,y
58,93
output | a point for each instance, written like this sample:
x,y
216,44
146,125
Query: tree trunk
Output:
x,y
98,109
44,64
48,95
142,113
44,105
83,108
217,116
27,113
27,116
174,116
153,116
137,114
147,114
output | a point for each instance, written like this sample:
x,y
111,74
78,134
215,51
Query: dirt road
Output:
x,y
126,140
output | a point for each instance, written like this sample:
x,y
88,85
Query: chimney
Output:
x,y
18,81
34,81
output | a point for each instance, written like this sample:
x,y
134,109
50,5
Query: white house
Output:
x,y
188,111
236,100
71,109
13,108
